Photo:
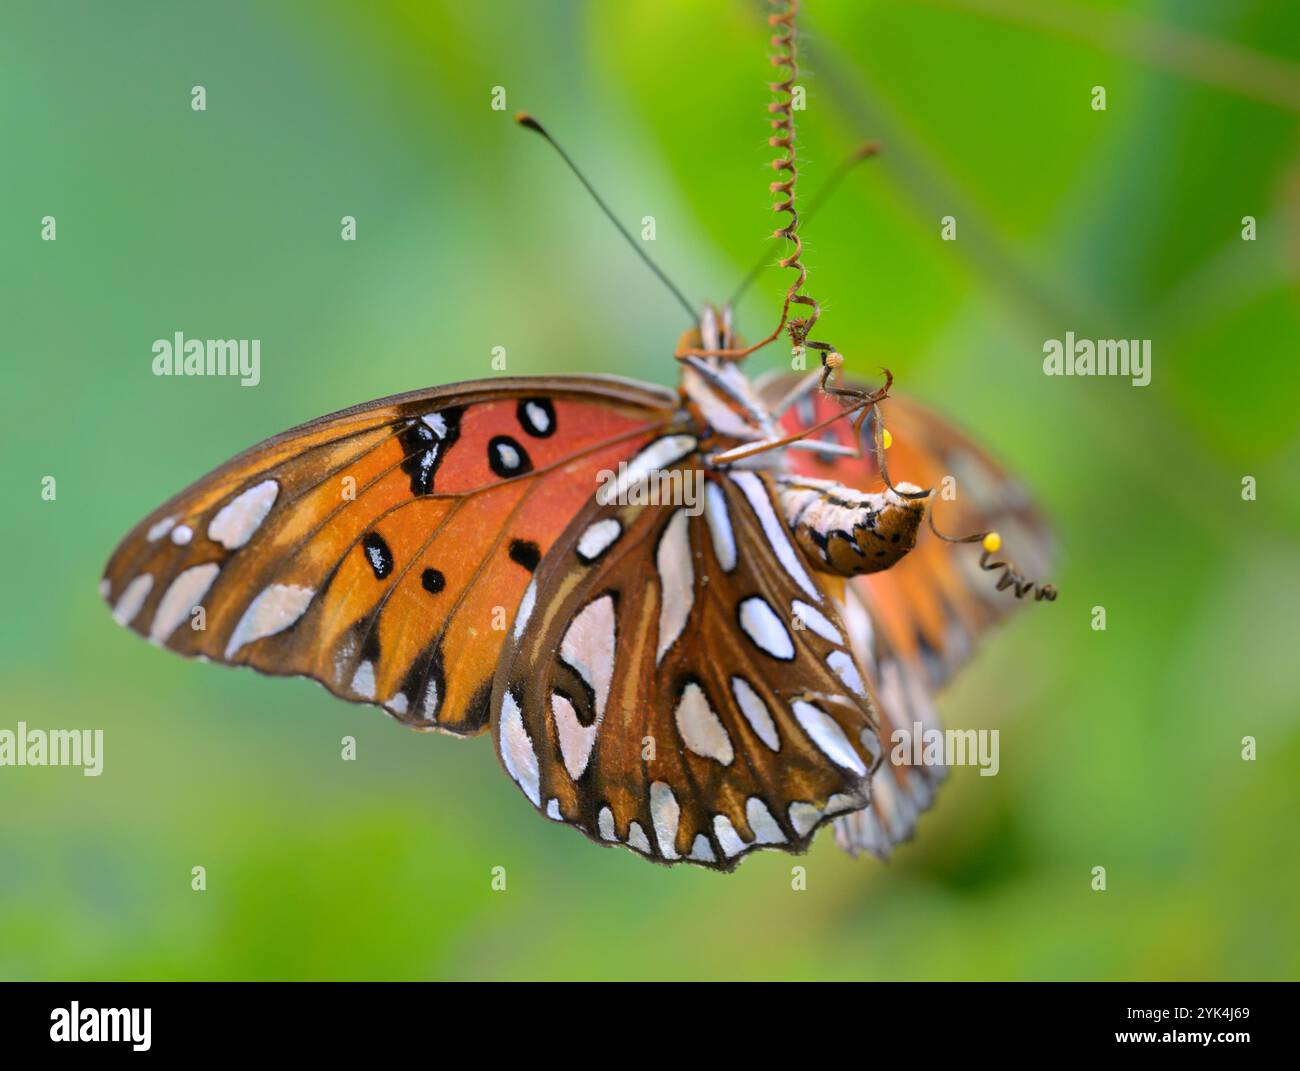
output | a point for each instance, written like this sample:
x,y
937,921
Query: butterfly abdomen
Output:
x,y
849,532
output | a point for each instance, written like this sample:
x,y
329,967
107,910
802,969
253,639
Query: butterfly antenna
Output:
x,y
815,203
528,122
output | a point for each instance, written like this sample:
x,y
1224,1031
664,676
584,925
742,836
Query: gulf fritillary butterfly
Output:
x,y
694,684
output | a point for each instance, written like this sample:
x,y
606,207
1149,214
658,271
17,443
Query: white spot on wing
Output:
x,y
702,850
839,803
803,816
761,625
637,839
185,593
728,839
597,538
525,610
274,610
842,664
774,529
720,530
817,621
700,728
665,814
576,739
398,704
605,821
660,454
553,811
182,534
517,749
676,578
132,599
756,713
157,531
825,732
238,519
588,646
363,680
765,827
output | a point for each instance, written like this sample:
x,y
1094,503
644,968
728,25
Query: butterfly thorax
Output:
x,y
843,530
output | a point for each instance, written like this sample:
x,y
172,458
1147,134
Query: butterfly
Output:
x,y
692,676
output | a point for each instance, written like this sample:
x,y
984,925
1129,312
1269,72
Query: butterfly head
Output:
x,y
712,331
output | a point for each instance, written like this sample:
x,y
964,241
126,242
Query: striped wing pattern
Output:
x,y
684,686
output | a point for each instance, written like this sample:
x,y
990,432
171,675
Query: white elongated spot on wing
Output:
x,y
517,749
185,593
238,519
720,530
598,538
825,732
728,839
665,814
525,610
605,822
817,621
157,531
274,610
700,728
761,625
676,580
756,713
588,646
766,828
637,839
132,599
660,454
576,739
842,665
774,529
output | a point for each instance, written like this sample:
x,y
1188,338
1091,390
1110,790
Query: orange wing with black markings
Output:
x,y
383,550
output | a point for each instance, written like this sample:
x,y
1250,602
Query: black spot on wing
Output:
x,y
506,457
479,709
524,553
537,417
377,554
433,581
425,442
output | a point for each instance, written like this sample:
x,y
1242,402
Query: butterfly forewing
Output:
x,y
683,685
383,550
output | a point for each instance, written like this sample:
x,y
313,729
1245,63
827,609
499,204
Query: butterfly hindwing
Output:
x,y
914,624
382,550
683,685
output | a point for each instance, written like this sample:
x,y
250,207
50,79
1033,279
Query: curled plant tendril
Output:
x,y
784,42
856,404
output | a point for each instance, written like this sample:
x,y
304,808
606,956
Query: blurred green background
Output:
x,y
1119,748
